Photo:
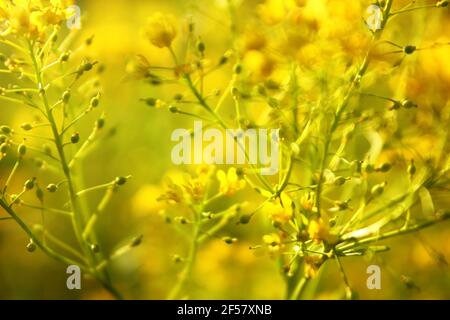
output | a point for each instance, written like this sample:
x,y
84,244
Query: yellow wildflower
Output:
x,y
280,210
272,11
273,242
230,182
312,265
160,30
319,230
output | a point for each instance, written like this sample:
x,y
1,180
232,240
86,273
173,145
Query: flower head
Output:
x,y
230,182
160,30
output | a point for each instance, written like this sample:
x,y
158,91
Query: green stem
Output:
x,y
187,270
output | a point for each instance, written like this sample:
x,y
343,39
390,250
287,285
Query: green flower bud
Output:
x,y
87,66
75,138
201,46
29,184
151,102
409,49
52,188
178,96
181,220
100,123
64,57
408,104
339,181
120,181
31,247
5,129
385,167
378,189
411,168
66,96
21,150
26,126
173,109
177,259
369,168
3,138
39,193
229,240
95,101
4,147
136,241
245,218
237,69
95,248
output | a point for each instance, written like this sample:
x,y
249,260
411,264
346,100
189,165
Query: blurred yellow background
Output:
x,y
141,146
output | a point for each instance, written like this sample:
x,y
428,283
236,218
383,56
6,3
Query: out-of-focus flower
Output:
x,y
253,40
138,67
160,30
273,242
145,200
259,64
272,11
280,210
230,182
174,193
312,265
319,230
31,18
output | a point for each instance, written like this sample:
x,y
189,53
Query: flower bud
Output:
x,y
21,150
66,96
229,240
64,57
100,123
136,241
442,3
237,69
31,247
3,138
181,220
177,258
95,101
173,109
411,168
245,218
52,188
26,126
4,147
87,66
409,49
151,102
29,184
39,194
5,129
378,189
95,248
339,181
385,167
408,104
201,46
120,181
75,138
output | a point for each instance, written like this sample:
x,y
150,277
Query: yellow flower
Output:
x,y
160,30
319,230
272,11
280,210
312,266
230,182
260,64
273,242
